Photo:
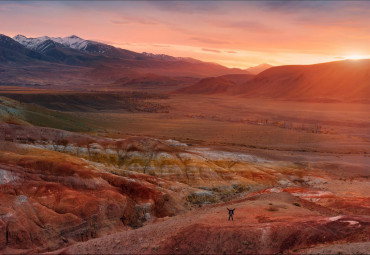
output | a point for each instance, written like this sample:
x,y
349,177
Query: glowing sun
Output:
x,y
355,57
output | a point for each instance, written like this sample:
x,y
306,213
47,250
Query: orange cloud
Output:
x,y
242,33
211,50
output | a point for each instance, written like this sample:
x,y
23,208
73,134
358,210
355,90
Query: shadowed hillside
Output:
x,y
90,102
12,111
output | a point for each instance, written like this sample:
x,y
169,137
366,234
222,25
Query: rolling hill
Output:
x,y
347,80
14,112
342,80
216,85
258,69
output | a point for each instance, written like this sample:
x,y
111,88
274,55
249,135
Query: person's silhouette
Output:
x,y
231,213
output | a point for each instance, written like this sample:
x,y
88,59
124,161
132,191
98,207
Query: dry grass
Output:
x,y
200,198
227,129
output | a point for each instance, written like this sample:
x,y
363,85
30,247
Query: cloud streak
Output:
x,y
235,33
211,50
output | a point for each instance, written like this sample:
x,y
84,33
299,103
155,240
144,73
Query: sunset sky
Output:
x,y
235,34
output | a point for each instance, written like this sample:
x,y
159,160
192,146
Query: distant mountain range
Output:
x,y
258,69
44,44
72,62
103,61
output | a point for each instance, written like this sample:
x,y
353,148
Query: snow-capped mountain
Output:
x,y
41,44
21,49
73,41
9,43
46,45
10,50
30,43
76,43
105,61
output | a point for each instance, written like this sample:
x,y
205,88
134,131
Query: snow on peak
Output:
x,y
19,37
72,41
30,43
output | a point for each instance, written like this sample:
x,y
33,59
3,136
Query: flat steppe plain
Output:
x,y
265,126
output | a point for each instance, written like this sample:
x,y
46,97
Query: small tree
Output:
x,y
88,144
83,142
107,144
57,140
120,147
64,143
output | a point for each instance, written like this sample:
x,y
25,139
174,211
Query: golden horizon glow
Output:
x,y
234,33
356,57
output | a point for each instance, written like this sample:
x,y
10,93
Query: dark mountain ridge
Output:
x,y
74,61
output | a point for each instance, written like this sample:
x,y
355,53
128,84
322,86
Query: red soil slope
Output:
x,y
263,224
49,200
343,80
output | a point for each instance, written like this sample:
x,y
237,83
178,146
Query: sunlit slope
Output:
x,y
347,80
343,80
